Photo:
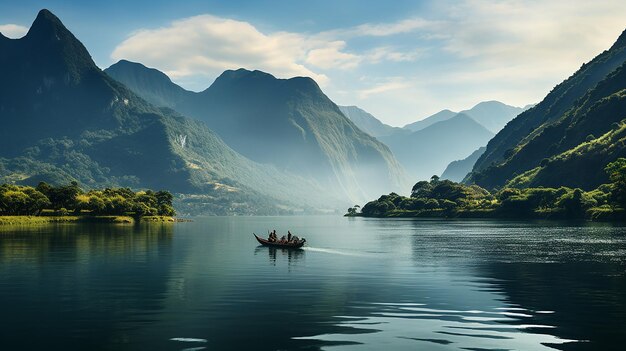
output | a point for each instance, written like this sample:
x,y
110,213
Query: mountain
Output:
x,y
288,123
64,119
493,115
437,117
428,151
162,91
368,123
457,170
569,136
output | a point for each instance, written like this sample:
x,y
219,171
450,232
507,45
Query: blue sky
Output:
x,y
399,60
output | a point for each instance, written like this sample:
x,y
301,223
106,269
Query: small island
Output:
x,y
46,203
447,199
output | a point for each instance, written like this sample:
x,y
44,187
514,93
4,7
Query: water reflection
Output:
x,y
76,286
291,255
360,284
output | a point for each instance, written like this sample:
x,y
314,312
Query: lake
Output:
x,y
359,284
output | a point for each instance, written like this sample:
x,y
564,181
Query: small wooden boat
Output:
x,y
292,245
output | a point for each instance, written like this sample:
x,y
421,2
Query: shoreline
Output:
x,y
29,220
616,216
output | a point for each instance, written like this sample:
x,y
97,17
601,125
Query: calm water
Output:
x,y
361,284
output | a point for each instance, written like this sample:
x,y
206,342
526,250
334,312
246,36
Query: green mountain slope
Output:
x,y
583,108
428,151
288,123
457,170
532,122
64,119
368,123
575,149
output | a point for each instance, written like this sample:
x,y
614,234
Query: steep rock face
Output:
x,y
496,165
292,125
64,119
428,151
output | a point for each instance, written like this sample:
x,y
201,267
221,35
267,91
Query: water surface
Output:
x,y
359,284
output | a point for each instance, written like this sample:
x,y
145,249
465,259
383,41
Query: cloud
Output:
x,y
206,45
331,56
13,31
391,84
201,47
451,55
385,53
403,26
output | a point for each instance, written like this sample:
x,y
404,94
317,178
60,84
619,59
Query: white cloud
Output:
x,y
207,45
13,31
383,29
391,84
331,56
385,53
452,56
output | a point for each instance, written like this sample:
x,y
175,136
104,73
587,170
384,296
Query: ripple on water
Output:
x,y
412,325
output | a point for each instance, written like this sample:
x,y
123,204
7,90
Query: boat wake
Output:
x,y
337,252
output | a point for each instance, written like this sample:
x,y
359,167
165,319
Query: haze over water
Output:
x,y
359,284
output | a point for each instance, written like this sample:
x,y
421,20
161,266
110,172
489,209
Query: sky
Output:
x,y
399,60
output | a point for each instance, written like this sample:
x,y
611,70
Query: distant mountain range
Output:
x,y
64,119
569,137
428,151
493,115
427,146
457,170
437,117
368,123
288,123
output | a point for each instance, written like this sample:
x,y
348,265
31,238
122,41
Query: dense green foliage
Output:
x,y
444,198
62,200
561,141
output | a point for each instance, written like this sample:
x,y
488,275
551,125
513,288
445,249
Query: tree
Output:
x,y
21,200
421,189
617,174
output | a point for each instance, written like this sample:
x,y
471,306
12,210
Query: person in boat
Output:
x,y
272,237
295,239
283,240
288,236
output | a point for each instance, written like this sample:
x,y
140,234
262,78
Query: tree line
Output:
x,y
444,198
72,199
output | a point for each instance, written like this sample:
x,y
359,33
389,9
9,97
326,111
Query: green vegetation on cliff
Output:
x,y
569,137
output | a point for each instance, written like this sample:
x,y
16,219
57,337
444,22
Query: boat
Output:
x,y
292,245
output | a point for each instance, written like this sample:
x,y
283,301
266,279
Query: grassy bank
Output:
x,y
28,220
